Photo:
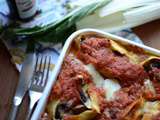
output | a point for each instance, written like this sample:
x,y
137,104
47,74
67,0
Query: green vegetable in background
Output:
x,y
61,29
65,22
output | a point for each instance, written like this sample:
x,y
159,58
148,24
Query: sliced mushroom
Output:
x,y
84,97
83,94
51,108
89,100
60,110
152,66
79,109
151,62
57,109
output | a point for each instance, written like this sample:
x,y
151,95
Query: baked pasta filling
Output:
x,y
101,79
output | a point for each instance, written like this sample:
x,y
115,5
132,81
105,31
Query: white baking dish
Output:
x,y
41,104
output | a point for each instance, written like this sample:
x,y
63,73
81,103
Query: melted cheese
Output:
x,y
97,78
110,86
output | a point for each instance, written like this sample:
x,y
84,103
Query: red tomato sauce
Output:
x,y
110,64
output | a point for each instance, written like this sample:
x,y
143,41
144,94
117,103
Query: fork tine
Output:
x,y
48,68
40,70
41,64
36,68
43,71
41,75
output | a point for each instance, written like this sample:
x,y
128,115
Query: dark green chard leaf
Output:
x,y
1,29
54,36
65,22
57,31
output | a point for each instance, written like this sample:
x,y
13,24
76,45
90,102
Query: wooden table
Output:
x,y
149,33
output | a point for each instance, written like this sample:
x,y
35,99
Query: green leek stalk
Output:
x,y
61,29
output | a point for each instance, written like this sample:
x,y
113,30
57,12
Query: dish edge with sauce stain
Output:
x,y
42,103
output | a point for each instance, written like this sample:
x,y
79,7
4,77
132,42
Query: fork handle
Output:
x,y
13,113
31,106
29,114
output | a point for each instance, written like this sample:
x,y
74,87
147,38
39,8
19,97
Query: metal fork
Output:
x,y
39,81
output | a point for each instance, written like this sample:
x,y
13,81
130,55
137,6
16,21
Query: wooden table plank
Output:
x,y
8,82
149,33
